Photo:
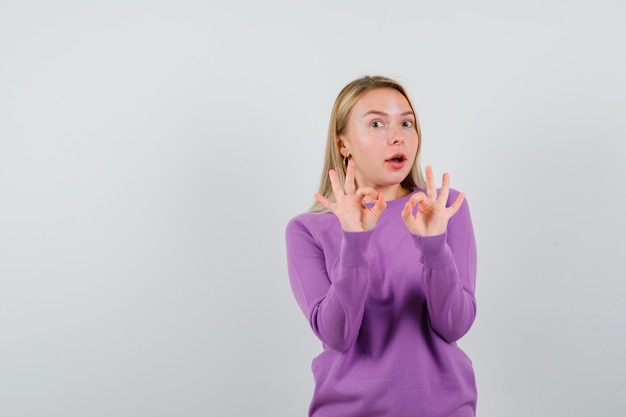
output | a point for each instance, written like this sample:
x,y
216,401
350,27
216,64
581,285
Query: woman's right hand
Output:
x,y
349,207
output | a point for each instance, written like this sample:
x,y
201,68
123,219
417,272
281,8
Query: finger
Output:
x,y
334,182
323,201
407,212
379,205
363,192
418,198
431,187
445,188
456,205
349,185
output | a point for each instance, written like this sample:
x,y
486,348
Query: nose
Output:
x,y
396,136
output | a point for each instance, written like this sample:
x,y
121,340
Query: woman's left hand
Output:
x,y
432,214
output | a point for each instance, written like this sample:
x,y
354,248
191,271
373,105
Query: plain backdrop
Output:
x,y
152,153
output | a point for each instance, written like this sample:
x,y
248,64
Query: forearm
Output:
x,y
332,297
448,278
337,318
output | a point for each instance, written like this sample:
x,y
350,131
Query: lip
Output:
x,y
396,161
398,157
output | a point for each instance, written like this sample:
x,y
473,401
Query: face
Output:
x,y
382,139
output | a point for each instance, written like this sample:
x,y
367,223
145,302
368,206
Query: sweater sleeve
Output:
x,y
333,300
450,276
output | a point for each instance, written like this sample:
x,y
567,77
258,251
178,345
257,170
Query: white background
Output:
x,y
152,152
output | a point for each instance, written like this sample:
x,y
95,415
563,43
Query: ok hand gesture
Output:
x,y
432,214
348,206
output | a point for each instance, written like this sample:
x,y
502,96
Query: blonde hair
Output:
x,y
339,116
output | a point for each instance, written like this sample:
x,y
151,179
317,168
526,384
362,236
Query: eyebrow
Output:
x,y
382,113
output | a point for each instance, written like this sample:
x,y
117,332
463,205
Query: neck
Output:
x,y
393,192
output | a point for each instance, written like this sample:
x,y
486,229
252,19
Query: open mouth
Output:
x,y
397,158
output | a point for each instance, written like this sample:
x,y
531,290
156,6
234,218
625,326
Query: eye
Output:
x,y
376,123
407,123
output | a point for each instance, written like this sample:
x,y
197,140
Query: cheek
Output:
x,y
413,148
372,151
365,145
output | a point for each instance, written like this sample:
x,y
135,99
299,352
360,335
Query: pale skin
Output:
x,y
430,219
381,124
432,215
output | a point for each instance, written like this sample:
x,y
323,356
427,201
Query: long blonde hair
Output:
x,y
339,116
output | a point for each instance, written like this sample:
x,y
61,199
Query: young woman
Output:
x,y
384,266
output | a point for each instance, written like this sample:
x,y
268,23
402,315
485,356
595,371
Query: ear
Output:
x,y
342,146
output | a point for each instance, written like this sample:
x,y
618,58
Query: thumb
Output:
x,y
407,211
380,205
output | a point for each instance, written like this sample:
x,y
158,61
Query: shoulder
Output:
x,y
453,194
312,223
309,232
462,218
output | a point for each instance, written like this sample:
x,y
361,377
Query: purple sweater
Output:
x,y
388,307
